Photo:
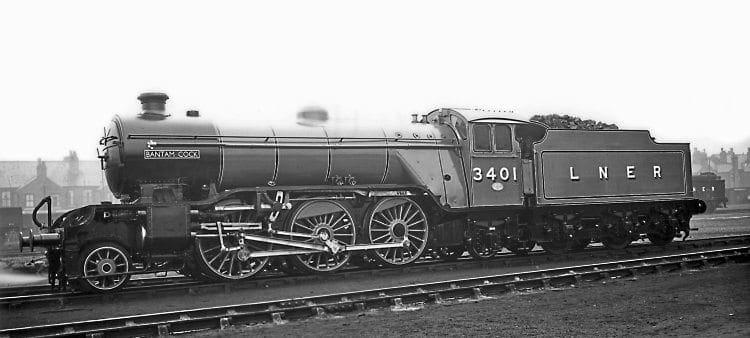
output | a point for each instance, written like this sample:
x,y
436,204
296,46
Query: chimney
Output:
x,y
723,156
153,104
734,163
747,155
71,176
41,169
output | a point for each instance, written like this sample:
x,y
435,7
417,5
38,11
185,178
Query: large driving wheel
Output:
x,y
325,220
104,267
393,220
231,265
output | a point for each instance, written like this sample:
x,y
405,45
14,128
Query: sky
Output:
x,y
678,68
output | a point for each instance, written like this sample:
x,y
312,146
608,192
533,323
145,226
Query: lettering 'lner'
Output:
x,y
604,173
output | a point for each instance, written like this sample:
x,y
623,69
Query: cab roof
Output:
x,y
481,115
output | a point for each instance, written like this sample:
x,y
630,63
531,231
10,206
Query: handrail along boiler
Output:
x,y
223,200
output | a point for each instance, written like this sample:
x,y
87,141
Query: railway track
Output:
x,y
43,296
401,297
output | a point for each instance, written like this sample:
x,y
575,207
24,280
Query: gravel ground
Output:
x,y
724,224
708,303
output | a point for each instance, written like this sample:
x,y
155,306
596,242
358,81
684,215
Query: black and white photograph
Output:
x,y
374,168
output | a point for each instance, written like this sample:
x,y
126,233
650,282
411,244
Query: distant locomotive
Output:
x,y
220,200
711,189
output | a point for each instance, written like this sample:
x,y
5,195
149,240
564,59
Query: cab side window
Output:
x,y
503,138
482,137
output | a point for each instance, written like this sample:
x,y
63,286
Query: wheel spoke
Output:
x,y
408,209
333,225
381,237
212,249
215,257
415,223
231,262
223,261
310,230
416,212
379,222
416,238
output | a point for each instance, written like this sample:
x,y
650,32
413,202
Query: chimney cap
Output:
x,y
153,97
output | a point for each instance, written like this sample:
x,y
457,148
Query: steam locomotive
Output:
x,y
222,200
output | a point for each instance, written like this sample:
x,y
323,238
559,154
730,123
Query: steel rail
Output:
x,y
175,285
280,311
26,290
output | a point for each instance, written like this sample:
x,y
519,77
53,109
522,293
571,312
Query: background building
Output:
x,y
71,184
732,167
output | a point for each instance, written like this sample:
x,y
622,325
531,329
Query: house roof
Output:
x,y
16,174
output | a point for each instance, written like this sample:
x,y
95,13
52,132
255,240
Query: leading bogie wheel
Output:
x,y
326,221
104,267
397,220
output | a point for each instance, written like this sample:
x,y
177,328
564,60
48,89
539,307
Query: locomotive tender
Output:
x,y
221,201
711,189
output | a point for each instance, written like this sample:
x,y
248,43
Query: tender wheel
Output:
x,y
520,247
580,243
661,232
105,265
326,220
481,245
450,253
615,234
393,220
557,247
560,241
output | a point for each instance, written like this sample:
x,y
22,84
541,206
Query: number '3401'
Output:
x,y
504,174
